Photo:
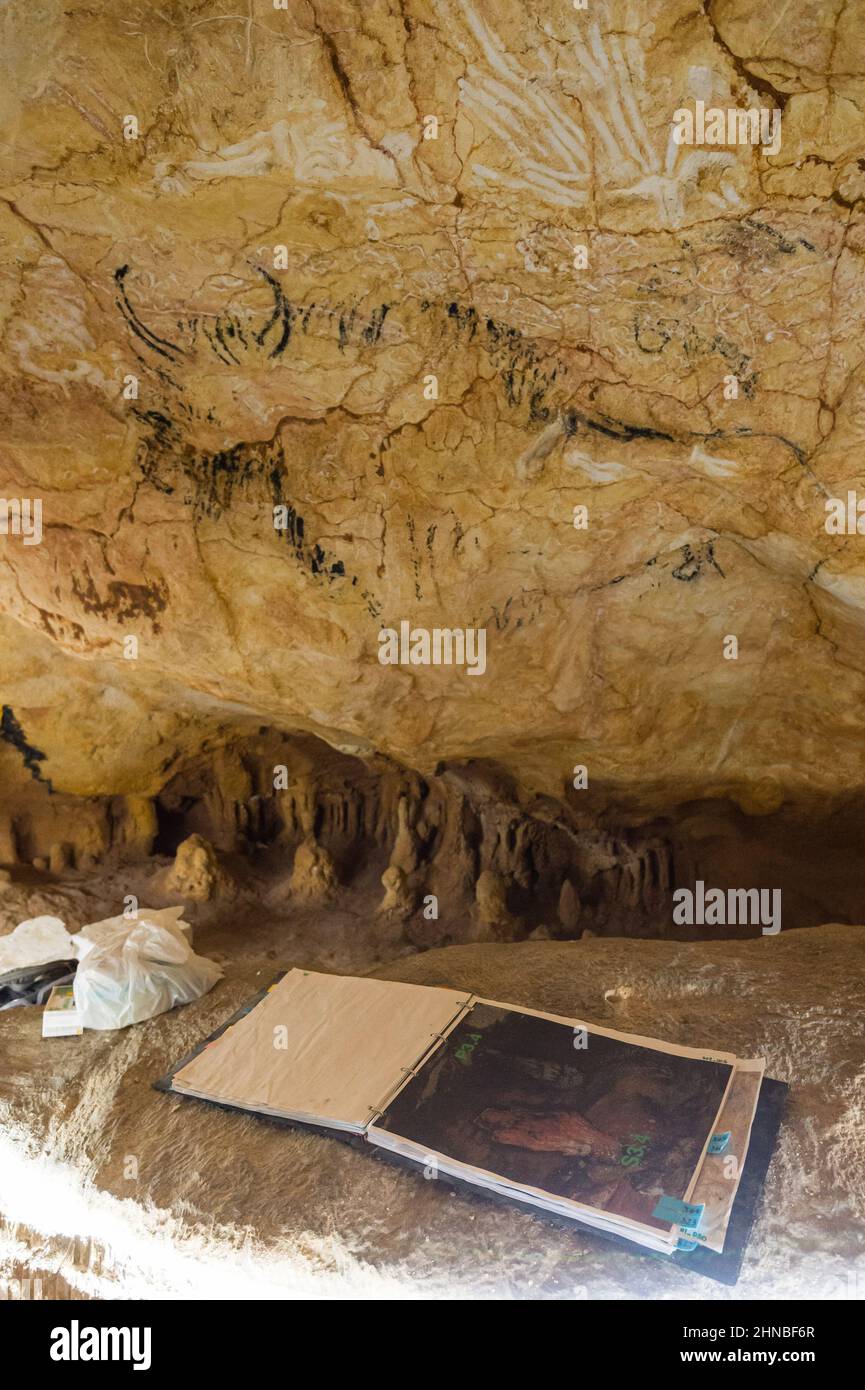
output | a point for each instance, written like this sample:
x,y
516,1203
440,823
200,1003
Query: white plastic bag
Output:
x,y
137,974
35,942
98,933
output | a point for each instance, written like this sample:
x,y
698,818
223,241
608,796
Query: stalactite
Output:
x,y
439,834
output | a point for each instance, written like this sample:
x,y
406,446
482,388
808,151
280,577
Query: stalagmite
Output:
x,y
313,876
195,873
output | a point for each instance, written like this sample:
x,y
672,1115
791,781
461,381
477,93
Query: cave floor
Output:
x,y
112,1189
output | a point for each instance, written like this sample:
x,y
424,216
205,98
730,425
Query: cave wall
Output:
x,y
495,863
233,316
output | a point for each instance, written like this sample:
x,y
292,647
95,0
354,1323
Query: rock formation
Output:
x,y
195,873
491,897
313,877
225,1203
430,439
316,323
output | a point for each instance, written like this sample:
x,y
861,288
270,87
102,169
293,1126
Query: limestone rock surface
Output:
x,y
227,315
225,1203
195,873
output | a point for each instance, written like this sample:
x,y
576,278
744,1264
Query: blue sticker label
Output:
x,y
688,1215
719,1142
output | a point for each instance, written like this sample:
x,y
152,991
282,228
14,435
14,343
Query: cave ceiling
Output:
x,y
319,320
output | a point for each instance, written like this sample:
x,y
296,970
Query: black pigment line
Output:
x,y
152,339
12,733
